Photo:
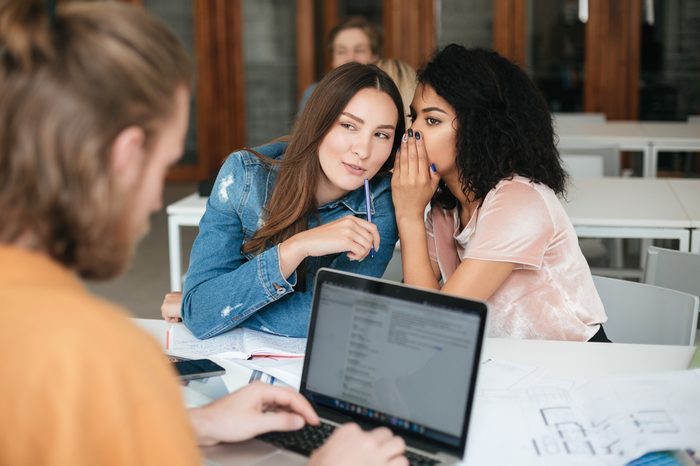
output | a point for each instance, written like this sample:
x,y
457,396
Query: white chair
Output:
x,y
581,166
591,158
641,313
394,270
578,117
673,269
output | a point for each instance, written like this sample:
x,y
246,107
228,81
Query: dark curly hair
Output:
x,y
504,127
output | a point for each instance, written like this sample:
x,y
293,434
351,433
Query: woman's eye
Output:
x,y
432,121
382,135
347,126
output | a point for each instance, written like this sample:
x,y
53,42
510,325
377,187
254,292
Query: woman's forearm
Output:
x,y
415,259
291,254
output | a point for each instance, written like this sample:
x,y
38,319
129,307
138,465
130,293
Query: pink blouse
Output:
x,y
550,293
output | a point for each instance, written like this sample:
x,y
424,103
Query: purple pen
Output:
x,y
369,212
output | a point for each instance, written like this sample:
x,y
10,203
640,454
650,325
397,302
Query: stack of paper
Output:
x,y
239,343
288,370
523,416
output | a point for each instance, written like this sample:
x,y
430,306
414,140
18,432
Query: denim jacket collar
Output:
x,y
355,201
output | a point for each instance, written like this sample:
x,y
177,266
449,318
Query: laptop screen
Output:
x,y
394,355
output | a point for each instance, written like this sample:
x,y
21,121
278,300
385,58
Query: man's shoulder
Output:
x,y
74,317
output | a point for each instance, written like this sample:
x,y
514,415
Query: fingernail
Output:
x,y
433,167
410,133
417,135
405,137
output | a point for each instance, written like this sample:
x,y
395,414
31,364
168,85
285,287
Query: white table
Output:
x,y
649,138
577,360
587,360
627,135
669,136
644,208
688,193
185,212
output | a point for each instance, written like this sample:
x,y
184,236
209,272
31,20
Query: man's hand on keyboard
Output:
x,y
253,410
350,445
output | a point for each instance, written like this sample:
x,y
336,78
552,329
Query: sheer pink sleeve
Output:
x,y
514,225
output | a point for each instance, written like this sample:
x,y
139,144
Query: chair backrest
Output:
x,y
673,269
583,166
641,313
578,118
595,160
394,269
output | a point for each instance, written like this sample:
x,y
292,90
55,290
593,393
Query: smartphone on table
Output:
x,y
192,369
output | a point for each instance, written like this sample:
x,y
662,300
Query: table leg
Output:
x,y
651,159
174,252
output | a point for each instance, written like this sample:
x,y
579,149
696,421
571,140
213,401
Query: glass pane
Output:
x,y
556,52
465,22
370,9
670,77
178,15
269,38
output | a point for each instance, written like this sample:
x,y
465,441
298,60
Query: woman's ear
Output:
x,y
128,150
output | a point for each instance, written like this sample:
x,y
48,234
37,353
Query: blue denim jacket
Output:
x,y
225,288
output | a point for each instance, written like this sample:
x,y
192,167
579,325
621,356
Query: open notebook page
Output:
x,y
239,343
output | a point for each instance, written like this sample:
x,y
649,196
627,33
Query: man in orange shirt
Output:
x,y
93,109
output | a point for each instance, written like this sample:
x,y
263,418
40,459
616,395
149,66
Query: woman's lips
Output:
x,y
354,169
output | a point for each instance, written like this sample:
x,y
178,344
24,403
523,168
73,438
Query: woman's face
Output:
x,y
352,45
437,122
358,144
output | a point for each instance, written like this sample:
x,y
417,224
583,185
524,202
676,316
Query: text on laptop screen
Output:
x,y
381,354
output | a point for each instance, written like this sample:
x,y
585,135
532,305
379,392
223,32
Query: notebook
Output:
x,y
383,354
239,343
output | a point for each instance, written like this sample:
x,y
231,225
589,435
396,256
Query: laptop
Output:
x,y
381,353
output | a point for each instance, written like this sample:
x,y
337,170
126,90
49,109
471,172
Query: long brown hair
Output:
x,y
293,198
71,80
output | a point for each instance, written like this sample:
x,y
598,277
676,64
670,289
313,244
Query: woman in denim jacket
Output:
x,y
281,211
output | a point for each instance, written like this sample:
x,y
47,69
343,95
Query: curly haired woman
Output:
x,y
475,189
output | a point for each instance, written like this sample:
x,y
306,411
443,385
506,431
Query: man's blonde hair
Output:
x,y
405,78
70,81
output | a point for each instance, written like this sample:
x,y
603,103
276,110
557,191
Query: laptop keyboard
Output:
x,y
309,438
303,441
415,459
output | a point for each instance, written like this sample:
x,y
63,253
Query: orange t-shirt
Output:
x,y
81,384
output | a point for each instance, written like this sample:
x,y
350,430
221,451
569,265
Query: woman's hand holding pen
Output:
x,y
415,179
349,234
